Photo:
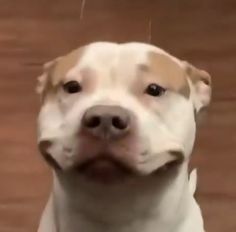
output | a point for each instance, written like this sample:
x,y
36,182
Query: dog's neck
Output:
x,y
162,202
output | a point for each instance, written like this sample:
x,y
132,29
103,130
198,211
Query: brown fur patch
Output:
x,y
168,73
64,64
55,71
44,81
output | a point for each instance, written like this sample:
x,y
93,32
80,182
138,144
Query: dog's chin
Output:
x,y
104,170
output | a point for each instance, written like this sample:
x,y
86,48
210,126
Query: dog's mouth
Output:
x,y
104,170
113,166
108,170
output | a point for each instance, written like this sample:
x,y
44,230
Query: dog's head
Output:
x,y
108,109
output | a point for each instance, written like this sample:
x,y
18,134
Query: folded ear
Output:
x,y
201,82
44,79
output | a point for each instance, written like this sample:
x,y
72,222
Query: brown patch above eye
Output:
x,y
169,73
64,65
55,72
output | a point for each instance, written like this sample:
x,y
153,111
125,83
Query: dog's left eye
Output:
x,y
155,90
72,87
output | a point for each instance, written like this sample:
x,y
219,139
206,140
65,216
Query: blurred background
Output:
x,y
33,32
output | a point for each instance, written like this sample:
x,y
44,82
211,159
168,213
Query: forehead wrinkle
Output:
x,y
169,73
143,68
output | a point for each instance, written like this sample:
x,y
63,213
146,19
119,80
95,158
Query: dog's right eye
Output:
x,y
72,87
155,90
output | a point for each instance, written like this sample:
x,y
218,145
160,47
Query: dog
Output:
x,y
117,125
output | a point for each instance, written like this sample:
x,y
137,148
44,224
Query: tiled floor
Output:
x,y
32,32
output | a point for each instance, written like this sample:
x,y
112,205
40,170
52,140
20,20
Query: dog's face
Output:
x,y
110,109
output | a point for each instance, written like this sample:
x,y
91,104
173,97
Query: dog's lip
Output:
x,y
104,169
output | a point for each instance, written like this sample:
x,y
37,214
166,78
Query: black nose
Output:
x,y
106,121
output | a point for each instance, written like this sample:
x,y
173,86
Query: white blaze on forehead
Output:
x,y
109,51
116,61
96,55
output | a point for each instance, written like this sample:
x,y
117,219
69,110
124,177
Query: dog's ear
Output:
x,y
44,79
201,82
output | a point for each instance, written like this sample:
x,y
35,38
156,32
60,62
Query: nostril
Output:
x,y
119,123
93,122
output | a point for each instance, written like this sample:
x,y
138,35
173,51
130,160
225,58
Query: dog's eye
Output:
x,y
72,87
155,90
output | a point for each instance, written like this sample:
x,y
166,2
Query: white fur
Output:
x,y
193,181
162,202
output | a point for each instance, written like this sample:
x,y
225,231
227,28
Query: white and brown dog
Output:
x,y
117,124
